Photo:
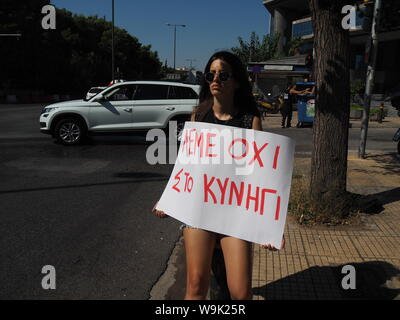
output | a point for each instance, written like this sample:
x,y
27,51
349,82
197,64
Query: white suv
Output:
x,y
93,91
123,107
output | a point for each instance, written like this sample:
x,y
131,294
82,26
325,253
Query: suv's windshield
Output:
x,y
119,93
93,92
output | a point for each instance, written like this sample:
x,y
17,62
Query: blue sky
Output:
x,y
211,24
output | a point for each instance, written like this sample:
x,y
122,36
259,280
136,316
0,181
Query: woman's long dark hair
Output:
x,y
243,101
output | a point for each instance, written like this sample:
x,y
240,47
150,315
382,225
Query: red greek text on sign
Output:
x,y
239,194
194,141
188,185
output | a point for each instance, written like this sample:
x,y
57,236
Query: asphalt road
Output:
x,y
379,139
86,210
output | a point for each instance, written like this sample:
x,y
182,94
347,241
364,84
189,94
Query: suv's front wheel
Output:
x,y
70,131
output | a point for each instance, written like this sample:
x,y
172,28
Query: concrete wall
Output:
x,y
282,26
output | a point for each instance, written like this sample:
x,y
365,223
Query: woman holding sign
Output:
x,y
225,98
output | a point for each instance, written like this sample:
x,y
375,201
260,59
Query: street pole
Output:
x,y
191,60
174,45
112,44
373,47
175,25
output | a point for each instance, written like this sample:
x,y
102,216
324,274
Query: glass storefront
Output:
x,y
301,28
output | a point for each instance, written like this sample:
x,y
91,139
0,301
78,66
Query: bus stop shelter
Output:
x,y
272,76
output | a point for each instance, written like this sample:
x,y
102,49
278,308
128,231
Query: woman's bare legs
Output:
x,y
199,246
238,256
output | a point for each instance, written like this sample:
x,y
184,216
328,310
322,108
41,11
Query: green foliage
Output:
x,y
377,110
70,59
294,44
355,106
357,87
373,111
256,50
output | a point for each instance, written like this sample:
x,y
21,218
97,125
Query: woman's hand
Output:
x,y
272,248
159,213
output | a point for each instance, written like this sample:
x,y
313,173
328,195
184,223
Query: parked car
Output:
x,y
123,107
93,91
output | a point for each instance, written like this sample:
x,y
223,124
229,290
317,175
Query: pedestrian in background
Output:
x,y
225,98
286,108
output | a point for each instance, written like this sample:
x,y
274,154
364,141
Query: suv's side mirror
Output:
x,y
99,97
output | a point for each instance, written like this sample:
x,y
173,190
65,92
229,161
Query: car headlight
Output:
x,y
48,109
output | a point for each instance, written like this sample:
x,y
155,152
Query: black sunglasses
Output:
x,y
223,76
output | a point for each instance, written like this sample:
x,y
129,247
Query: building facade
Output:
x,y
291,19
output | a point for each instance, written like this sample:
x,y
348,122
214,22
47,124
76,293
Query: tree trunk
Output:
x,y
330,131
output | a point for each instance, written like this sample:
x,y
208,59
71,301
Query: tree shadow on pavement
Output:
x,y
389,196
390,162
377,280
386,164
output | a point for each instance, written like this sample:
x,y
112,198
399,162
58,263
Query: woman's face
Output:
x,y
219,88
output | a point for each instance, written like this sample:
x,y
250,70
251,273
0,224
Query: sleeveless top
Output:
x,y
288,97
241,120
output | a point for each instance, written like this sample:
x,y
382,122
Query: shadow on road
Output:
x,y
141,175
140,178
116,140
137,138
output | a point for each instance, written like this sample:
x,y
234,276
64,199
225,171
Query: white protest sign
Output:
x,y
231,181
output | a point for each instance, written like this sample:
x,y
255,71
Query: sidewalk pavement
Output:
x,y
310,266
274,121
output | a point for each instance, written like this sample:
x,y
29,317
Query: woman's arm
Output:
x,y
257,124
294,91
310,90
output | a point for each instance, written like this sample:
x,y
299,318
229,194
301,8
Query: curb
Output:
x,y
172,283
168,280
